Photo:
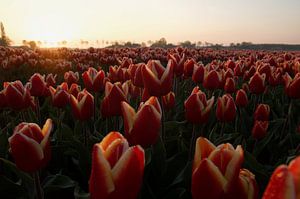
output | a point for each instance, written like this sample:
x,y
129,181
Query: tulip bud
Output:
x,y
83,105
241,99
262,112
93,80
188,67
292,86
71,77
142,127
217,172
157,79
226,109
229,86
38,86
60,96
113,164
17,96
284,182
212,80
259,130
111,103
30,146
51,80
135,71
198,73
74,89
257,83
168,101
197,108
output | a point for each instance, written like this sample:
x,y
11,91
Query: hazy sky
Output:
x,y
217,21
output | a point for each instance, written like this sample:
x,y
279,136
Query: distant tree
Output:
x,y
199,43
187,44
32,44
4,40
64,42
161,43
143,44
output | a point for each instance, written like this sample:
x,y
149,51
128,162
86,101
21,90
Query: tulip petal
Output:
x,y
294,168
28,154
128,116
109,138
203,148
128,174
46,132
281,185
101,183
207,181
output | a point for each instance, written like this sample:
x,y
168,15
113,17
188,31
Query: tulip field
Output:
x,y
149,123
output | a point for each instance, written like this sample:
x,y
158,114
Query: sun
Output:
x,y
50,30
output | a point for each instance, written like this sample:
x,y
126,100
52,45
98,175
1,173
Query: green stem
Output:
x,y
222,129
192,143
162,120
38,188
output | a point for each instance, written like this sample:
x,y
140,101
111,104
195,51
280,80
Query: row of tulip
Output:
x,y
162,108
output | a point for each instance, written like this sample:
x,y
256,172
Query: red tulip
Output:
x,y
229,86
157,79
135,71
212,80
51,80
262,112
142,127
292,86
178,62
197,108
17,96
259,130
217,172
93,80
241,99
117,170
284,182
114,95
71,77
198,73
74,89
257,83
30,145
60,96
38,86
83,105
168,101
226,109
188,67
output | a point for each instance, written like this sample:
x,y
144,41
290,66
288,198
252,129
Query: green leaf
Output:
x,y
80,194
57,182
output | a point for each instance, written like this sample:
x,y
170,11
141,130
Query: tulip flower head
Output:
x,y
284,182
217,172
262,112
226,109
157,79
83,105
117,169
17,96
197,108
71,77
241,99
142,127
257,83
93,80
114,95
292,86
30,145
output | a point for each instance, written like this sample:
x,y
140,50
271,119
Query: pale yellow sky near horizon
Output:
x,y
216,21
